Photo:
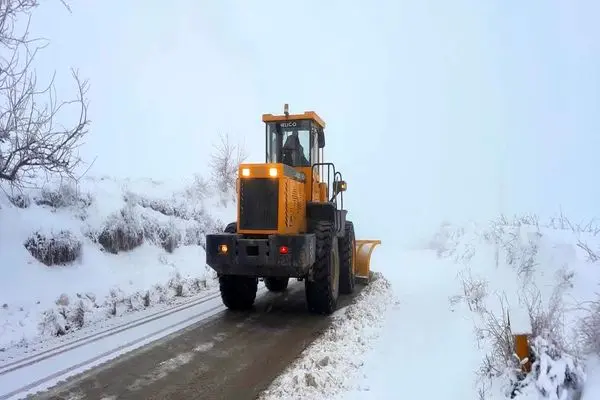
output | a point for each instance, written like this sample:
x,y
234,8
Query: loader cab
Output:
x,y
295,140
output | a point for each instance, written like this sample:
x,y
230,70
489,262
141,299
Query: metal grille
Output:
x,y
259,200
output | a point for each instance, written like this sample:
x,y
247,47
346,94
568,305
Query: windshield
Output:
x,y
289,142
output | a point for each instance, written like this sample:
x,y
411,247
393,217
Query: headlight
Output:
x,y
245,171
273,172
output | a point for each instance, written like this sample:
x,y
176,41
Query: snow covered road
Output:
x,y
40,371
425,350
216,358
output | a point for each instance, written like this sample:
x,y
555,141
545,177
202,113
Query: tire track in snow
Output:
x,y
47,380
82,341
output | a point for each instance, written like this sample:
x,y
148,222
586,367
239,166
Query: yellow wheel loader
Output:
x,y
291,222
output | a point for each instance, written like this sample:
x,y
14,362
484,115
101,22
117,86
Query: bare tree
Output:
x,y
224,166
32,139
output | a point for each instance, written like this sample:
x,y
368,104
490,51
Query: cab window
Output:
x,y
289,142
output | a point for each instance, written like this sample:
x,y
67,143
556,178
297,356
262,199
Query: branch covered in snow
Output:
x,y
224,165
32,135
589,327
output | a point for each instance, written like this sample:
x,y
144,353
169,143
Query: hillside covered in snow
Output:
x,y
76,253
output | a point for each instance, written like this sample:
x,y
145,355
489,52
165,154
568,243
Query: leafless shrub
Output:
x,y
165,207
591,254
555,373
53,323
482,392
199,189
166,235
547,320
449,242
194,235
147,299
169,207
78,315
496,330
20,200
57,249
561,222
65,195
474,291
31,137
495,233
519,220
521,256
122,231
224,165
589,326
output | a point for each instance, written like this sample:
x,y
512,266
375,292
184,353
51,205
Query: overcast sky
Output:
x,y
434,109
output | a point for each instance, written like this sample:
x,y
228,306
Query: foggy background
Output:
x,y
434,110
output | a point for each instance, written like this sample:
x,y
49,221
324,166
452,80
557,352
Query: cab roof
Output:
x,y
294,117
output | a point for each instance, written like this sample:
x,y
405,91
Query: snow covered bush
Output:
x,y
518,257
556,369
474,291
555,375
199,189
446,239
65,195
66,316
55,249
163,206
166,235
185,207
20,200
123,231
589,327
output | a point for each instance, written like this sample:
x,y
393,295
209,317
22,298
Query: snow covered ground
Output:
x,y
431,326
73,256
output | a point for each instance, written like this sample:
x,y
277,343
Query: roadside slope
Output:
x,y
441,330
72,255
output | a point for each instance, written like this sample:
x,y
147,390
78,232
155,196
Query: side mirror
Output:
x,y
339,186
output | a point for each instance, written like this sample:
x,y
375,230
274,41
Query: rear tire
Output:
x,y
322,284
347,256
237,292
276,284
231,227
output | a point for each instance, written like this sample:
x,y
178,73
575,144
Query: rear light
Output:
x,y
284,250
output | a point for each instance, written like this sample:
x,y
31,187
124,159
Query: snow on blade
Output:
x,y
331,362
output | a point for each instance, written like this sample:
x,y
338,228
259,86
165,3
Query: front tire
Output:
x,y
347,257
276,284
237,292
322,285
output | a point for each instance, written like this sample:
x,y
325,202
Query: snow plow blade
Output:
x,y
364,249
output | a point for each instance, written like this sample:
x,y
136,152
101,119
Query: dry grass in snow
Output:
x,y
541,278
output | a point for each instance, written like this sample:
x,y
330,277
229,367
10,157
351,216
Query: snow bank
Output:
x,y
71,255
524,275
331,363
